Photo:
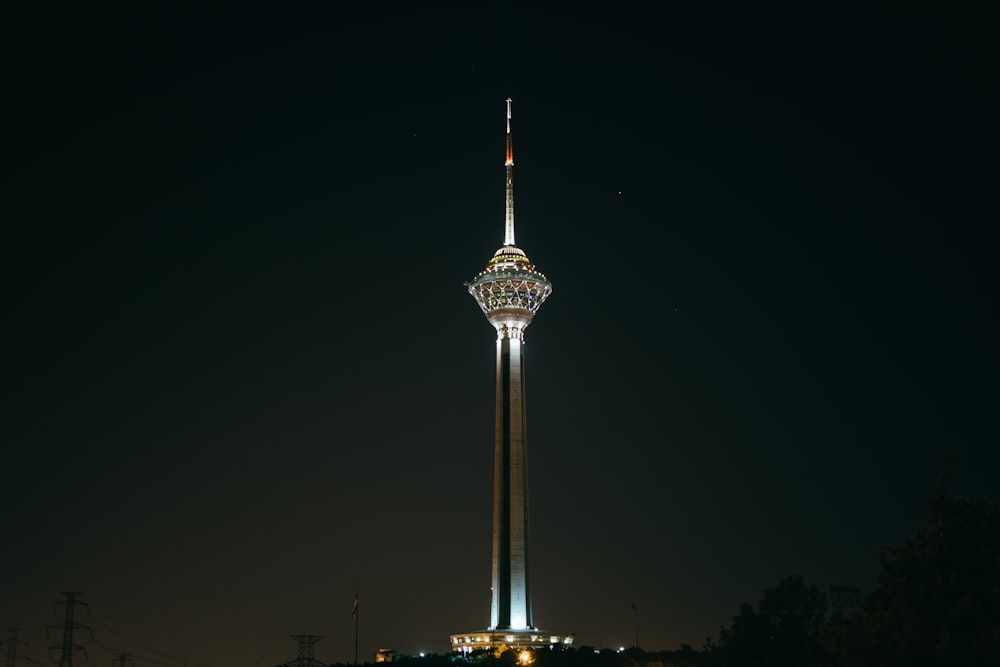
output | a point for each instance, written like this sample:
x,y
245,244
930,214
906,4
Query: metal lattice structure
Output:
x,y
12,644
307,656
68,648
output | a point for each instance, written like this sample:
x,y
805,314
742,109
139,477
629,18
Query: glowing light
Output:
x,y
525,658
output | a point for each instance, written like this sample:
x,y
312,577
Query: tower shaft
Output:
x,y
511,604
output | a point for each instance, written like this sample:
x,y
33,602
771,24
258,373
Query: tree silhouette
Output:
x,y
937,599
784,630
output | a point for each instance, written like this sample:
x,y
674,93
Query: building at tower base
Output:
x,y
508,639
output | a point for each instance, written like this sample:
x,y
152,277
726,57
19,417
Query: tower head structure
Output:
x,y
510,291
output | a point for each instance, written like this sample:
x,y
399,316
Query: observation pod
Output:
x,y
510,291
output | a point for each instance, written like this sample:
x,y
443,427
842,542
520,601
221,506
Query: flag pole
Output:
x,y
635,611
354,615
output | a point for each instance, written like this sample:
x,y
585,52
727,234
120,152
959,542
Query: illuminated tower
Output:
x,y
510,291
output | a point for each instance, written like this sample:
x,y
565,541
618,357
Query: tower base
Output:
x,y
467,642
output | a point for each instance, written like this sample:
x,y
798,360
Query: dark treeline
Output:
x,y
936,603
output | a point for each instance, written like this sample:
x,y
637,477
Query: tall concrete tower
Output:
x,y
510,291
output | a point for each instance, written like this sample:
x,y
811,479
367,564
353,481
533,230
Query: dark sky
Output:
x,y
243,377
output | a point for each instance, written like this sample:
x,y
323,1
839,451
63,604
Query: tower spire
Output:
x,y
508,237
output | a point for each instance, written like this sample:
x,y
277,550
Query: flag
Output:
x,y
354,609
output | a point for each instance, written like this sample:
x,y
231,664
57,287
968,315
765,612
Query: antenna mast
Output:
x,y
508,238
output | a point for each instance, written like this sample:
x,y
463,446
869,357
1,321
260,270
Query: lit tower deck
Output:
x,y
510,291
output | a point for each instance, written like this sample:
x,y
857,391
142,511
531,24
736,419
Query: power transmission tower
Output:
x,y
306,657
68,626
11,644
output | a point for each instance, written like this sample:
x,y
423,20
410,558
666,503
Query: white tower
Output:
x,y
510,291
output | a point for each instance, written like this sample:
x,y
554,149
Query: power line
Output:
x,y
177,660
134,642
114,652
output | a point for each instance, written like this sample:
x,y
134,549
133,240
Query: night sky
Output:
x,y
243,377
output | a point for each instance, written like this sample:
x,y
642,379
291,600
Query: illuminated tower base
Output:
x,y
510,291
